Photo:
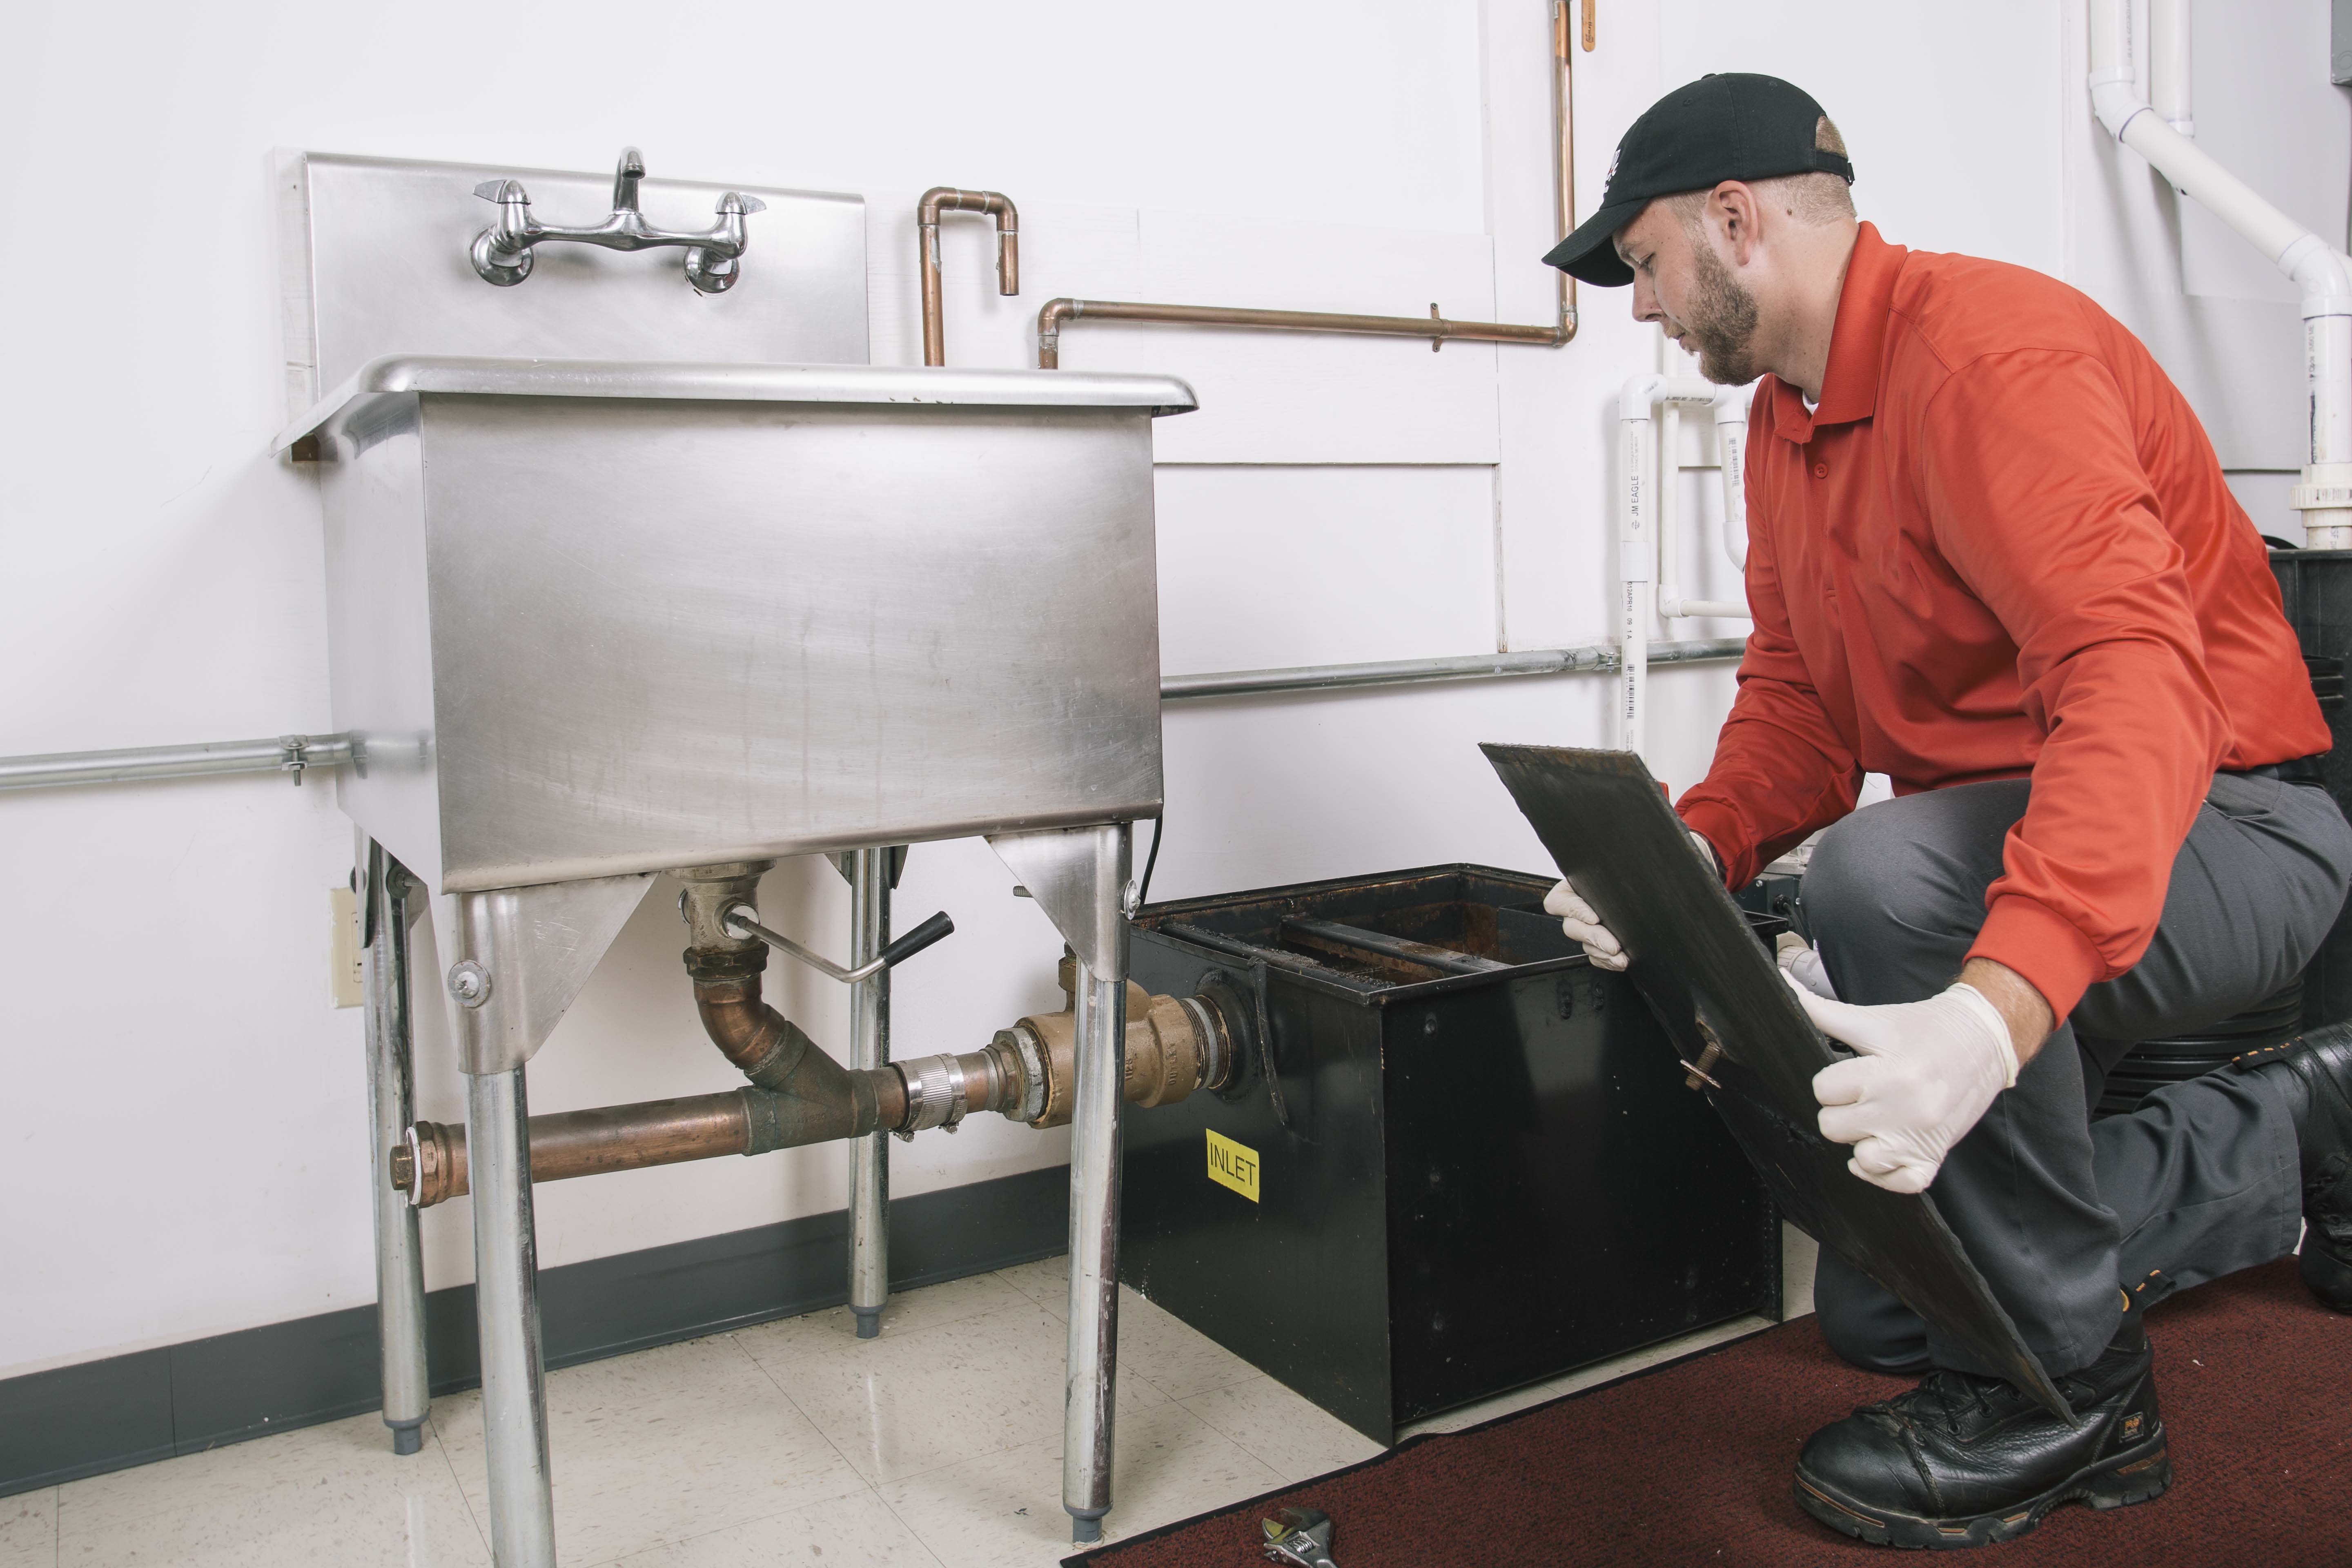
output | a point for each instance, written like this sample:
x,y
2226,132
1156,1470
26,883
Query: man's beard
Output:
x,y
1721,325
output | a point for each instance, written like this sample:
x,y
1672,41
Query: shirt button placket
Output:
x,y
1820,470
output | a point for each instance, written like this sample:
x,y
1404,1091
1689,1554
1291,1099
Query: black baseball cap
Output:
x,y
1733,126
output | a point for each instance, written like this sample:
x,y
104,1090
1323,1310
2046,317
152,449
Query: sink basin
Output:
x,y
595,618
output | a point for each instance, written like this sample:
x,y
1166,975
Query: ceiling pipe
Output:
x,y
947,198
1060,313
2324,495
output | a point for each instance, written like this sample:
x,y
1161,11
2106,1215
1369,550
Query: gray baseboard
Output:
x,y
106,1415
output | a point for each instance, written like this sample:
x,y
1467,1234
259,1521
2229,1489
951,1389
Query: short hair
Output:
x,y
1812,199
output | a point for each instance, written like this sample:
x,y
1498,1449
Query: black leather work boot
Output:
x,y
2322,1062
1963,1460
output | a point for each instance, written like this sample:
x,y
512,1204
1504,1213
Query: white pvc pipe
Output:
x,y
2324,495
2168,64
1731,448
1671,603
1637,534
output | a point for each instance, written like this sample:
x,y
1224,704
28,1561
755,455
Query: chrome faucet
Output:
x,y
502,252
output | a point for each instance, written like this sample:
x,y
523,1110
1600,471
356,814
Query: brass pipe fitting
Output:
x,y
947,198
1174,1045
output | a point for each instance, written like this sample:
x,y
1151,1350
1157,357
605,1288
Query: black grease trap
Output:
x,y
1455,1160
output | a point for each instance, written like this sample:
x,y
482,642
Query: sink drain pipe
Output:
x,y
1028,1073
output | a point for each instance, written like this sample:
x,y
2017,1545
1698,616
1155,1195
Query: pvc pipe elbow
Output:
x,y
1638,396
2115,100
2319,269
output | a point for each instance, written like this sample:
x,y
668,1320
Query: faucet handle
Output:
x,y
737,201
502,190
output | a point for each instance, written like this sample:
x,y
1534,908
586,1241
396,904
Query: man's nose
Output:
x,y
1645,302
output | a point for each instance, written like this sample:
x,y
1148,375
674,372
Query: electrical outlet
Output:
x,y
345,980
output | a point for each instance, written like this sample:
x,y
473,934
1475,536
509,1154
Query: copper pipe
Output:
x,y
432,1168
773,1052
1434,326
947,198
778,1057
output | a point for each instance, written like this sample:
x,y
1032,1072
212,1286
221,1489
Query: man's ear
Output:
x,y
1735,211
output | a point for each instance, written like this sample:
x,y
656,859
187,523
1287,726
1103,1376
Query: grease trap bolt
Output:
x,y
470,983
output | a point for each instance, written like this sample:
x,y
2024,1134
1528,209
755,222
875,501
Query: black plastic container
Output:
x,y
2316,588
1475,1163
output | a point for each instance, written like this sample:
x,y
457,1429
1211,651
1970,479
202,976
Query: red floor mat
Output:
x,y
1691,1463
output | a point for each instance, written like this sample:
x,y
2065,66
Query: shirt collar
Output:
x,y
1849,388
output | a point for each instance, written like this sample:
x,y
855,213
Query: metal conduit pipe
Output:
x,y
1593,658
286,754
335,751
947,198
1059,314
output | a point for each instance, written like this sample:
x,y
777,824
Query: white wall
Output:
x,y
183,1146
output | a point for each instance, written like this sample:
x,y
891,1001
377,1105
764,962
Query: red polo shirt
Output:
x,y
2000,548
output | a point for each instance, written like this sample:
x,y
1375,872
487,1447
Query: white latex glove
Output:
x,y
1926,1072
1803,964
1584,927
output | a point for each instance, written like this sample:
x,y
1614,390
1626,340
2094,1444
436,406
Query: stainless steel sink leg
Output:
x,y
870,1157
506,1307
1091,1373
399,1268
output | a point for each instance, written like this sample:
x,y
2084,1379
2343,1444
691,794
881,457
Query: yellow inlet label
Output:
x,y
1234,1165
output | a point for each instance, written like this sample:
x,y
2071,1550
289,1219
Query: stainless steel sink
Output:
x,y
587,619
627,597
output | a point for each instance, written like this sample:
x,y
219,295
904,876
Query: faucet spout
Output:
x,y
625,180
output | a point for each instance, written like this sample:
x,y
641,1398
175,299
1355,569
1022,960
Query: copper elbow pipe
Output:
x,y
778,1057
947,198
1433,327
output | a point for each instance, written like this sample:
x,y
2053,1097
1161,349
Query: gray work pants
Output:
x,y
2057,1210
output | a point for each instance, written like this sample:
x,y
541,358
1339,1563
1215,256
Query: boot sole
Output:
x,y
2138,1475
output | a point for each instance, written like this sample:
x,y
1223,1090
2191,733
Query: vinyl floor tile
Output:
x,y
1045,1282
334,1493
1288,1432
855,1531
28,1528
1170,1355
1005,1510
659,1446
907,1313
900,1406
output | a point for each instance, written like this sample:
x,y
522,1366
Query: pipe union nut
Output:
x,y
935,1092
1024,1048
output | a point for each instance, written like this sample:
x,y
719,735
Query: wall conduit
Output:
x,y
136,764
